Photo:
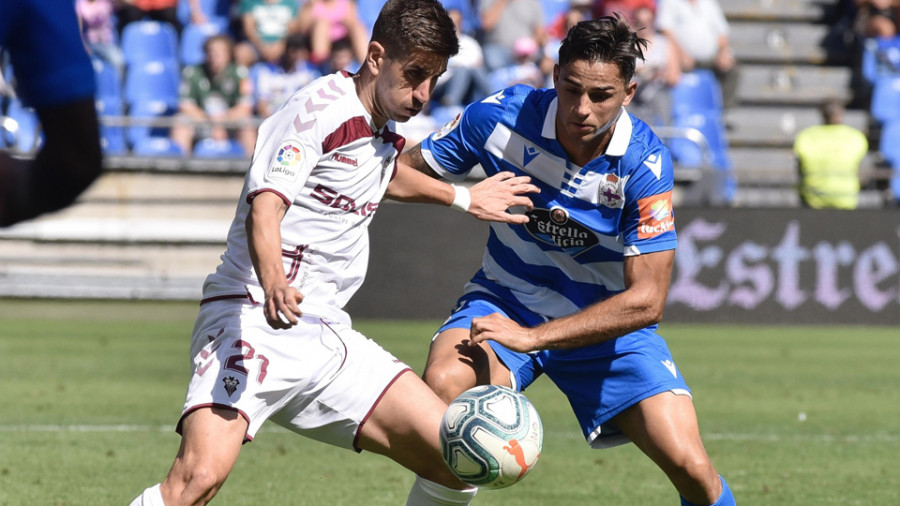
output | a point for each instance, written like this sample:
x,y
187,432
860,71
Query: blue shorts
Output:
x,y
600,381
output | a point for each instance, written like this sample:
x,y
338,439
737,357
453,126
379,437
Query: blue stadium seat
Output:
x,y
698,91
192,39
24,133
156,147
880,57
112,137
553,8
216,11
687,153
147,111
109,85
211,148
885,105
153,81
147,40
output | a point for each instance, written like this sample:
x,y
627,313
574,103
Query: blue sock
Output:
x,y
725,498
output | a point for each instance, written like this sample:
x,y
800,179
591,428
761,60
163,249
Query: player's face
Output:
x,y
591,95
404,86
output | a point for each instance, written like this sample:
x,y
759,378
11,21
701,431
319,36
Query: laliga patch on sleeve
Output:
x,y
447,128
656,215
287,162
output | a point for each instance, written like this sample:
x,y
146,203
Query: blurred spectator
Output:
x,y
828,158
98,29
877,18
216,91
273,83
466,78
701,33
503,23
524,68
157,10
627,8
656,74
579,10
266,24
325,22
341,58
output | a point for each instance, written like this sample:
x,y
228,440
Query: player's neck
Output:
x,y
365,90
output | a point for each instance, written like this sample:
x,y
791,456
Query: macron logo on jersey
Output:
x,y
654,163
494,99
529,154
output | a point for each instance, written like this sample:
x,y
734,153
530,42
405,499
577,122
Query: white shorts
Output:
x,y
319,379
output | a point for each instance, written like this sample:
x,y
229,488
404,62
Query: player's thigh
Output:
x,y
664,426
404,426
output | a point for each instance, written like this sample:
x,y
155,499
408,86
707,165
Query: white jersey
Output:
x,y
322,154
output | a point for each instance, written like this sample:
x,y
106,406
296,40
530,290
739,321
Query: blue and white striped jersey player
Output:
x,y
577,292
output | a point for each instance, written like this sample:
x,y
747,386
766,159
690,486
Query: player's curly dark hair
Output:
x,y
608,39
405,27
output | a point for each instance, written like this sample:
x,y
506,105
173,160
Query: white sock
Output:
x,y
425,492
150,497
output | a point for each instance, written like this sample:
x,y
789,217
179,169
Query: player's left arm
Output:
x,y
638,306
489,199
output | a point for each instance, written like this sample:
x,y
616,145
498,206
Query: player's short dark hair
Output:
x,y
608,39
405,27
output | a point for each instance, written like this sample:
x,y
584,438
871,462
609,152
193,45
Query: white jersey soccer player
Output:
x,y
324,231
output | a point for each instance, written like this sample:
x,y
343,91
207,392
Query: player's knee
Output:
x,y
446,381
697,468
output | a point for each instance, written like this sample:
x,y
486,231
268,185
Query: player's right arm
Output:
x,y
264,237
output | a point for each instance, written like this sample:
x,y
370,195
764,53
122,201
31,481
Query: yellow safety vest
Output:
x,y
829,158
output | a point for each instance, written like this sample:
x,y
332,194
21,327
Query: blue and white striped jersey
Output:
x,y
585,220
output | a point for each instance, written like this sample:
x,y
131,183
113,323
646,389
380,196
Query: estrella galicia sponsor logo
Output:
x,y
555,227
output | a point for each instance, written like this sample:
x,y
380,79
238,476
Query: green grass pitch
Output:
x,y
792,416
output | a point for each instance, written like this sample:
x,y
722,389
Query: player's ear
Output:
x,y
556,75
629,92
375,59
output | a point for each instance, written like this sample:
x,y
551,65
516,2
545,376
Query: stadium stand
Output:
x,y
193,36
148,41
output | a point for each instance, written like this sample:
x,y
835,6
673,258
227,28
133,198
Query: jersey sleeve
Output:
x,y
649,219
454,149
285,157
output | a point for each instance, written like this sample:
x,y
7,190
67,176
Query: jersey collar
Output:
x,y
621,137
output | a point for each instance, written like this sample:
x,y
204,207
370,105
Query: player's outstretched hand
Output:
x,y
501,329
282,306
493,196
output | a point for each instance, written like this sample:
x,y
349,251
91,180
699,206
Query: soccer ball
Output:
x,y
491,436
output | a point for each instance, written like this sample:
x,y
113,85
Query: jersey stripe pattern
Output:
x,y
323,156
585,220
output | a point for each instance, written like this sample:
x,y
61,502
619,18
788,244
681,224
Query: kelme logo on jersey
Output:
x,y
287,160
555,227
656,215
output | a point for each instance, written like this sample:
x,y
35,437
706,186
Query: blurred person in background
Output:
x,y
97,20
701,33
130,11
265,25
876,18
503,22
828,159
466,78
214,92
325,22
54,75
524,68
656,74
274,83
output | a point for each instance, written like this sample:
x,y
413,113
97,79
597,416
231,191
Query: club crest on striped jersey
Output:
x,y
611,191
287,162
555,227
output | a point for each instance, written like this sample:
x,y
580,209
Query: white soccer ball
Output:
x,y
491,436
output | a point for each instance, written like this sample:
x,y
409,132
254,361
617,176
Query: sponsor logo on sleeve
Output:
x,y
287,162
447,128
656,215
